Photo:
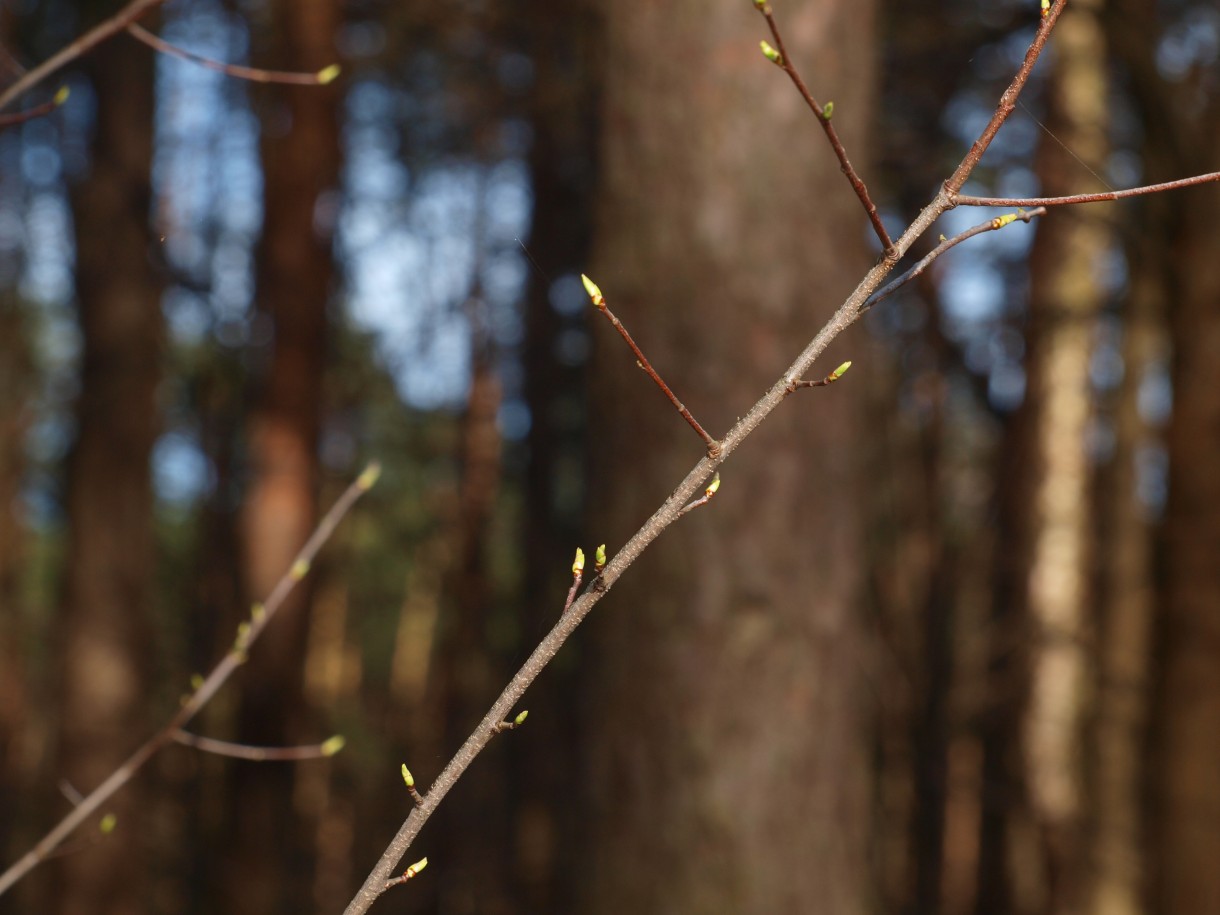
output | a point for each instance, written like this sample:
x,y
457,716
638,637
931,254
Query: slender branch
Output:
x,y
670,510
253,74
204,689
258,754
823,115
599,301
95,36
38,111
578,574
971,201
711,490
992,225
1008,101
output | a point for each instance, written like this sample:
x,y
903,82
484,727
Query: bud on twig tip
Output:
x,y
369,476
841,370
328,74
520,719
333,745
599,557
407,776
62,95
578,565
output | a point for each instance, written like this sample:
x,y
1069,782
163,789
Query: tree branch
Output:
x,y
971,201
95,36
203,689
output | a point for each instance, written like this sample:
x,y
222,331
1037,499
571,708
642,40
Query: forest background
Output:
x,y
947,639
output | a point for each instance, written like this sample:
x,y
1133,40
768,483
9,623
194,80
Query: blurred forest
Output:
x,y
948,638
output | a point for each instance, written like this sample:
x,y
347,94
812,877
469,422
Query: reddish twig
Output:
x,y
95,36
259,754
1008,101
599,302
409,779
823,114
821,382
202,690
408,874
971,201
38,111
578,574
503,726
991,225
708,493
253,74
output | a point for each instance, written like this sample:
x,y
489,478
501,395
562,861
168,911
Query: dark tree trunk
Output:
x,y
104,623
300,153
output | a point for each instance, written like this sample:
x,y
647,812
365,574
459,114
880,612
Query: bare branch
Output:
x,y
203,689
95,36
599,301
252,74
992,225
970,201
38,111
258,754
823,115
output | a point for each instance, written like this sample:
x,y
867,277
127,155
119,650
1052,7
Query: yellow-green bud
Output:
x,y
521,716
828,111
841,370
333,745
770,53
62,95
416,867
328,74
369,476
407,776
578,565
599,557
108,823
300,569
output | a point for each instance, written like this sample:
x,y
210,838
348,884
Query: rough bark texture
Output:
x,y
726,735
109,564
300,163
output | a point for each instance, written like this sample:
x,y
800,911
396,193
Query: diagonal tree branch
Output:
x,y
380,878
95,36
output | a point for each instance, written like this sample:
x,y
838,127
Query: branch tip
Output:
x,y
407,776
328,74
599,558
333,745
369,476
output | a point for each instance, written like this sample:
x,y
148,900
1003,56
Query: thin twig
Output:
x,y
971,201
204,690
578,574
821,382
708,493
599,302
258,754
95,36
253,74
823,116
991,225
38,111
1008,101
668,512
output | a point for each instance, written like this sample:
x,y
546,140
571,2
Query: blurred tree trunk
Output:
x,y
1189,698
107,578
1183,131
300,152
726,725
1069,289
560,35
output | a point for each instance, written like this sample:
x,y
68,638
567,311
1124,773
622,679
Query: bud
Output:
x,y
599,557
333,745
828,111
578,565
840,371
770,53
520,719
407,776
369,476
328,74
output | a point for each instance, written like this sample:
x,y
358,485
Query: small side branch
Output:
x,y
252,74
991,225
834,376
409,779
202,688
970,201
408,874
599,302
502,726
259,754
38,111
712,488
779,57
91,39
578,574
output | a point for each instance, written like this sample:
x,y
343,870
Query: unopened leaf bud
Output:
x,y
770,53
